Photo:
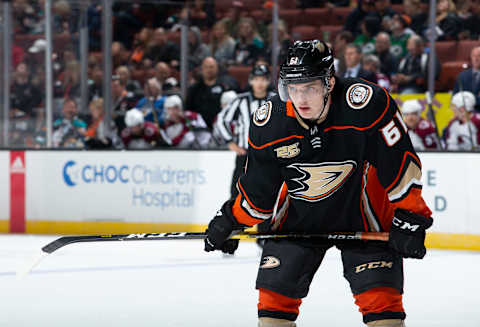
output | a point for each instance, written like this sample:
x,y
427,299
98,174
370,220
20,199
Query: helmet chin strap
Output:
x,y
326,82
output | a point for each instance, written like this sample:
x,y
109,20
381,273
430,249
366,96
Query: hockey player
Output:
x,y
421,131
182,128
463,131
328,154
233,122
139,134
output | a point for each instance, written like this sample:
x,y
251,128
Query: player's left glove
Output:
x,y
407,235
219,230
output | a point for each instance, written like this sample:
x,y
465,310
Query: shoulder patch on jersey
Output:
x,y
262,114
359,95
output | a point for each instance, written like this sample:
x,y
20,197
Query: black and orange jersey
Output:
x,y
347,173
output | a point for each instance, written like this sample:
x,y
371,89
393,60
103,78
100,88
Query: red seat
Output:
x,y
305,32
240,73
328,32
398,8
292,17
339,15
448,75
464,48
315,16
287,4
445,50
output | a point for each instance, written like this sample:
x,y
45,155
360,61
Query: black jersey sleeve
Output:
x,y
398,166
259,186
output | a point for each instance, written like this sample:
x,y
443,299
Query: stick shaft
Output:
x,y
66,240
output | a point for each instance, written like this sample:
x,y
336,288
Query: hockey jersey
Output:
x,y
463,136
423,136
347,173
190,132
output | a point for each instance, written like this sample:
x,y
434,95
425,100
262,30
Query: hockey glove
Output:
x,y
407,235
219,230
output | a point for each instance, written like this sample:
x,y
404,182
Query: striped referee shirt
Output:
x,y
233,122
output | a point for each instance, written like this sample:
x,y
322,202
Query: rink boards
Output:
x,y
78,192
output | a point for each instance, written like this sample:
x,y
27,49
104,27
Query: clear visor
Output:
x,y
309,89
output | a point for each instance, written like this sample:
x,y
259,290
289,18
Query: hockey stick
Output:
x,y
66,240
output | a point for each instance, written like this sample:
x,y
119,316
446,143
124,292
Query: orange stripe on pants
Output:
x,y
272,301
378,300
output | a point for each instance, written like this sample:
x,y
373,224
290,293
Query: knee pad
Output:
x,y
387,323
277,306
273,322
381,303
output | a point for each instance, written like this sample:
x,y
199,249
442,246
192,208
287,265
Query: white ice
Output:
x,y
174,283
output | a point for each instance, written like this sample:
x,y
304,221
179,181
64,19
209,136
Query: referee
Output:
x,y
233,122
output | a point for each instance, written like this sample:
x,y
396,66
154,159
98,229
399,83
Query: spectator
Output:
x,y
370,26
24,96
353,59
471,23
469,80
249,45
162,72
139,134
140,44
36,61
184,129
161,49
204,96
233,16
95,82
222,45
201,13
414,10
96,136
151,105
65,19
94,23
372,63
463,131
388,64
69,130
68,83
284,42
120,55
341,41
197,50
400,33
422,132
24,17
354,19
448,24
127,23
133,86
384,12
122,101
413,69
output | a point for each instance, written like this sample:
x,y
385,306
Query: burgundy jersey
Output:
x,y
426,134
347,173
463,136
147,139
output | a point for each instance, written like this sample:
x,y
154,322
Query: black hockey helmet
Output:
x,y
260,70
306,61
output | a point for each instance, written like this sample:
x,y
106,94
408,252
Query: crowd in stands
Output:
x,y
383,41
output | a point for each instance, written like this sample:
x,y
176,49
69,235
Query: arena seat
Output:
x,y
305,32
339,15
315,16
464,48
448,75
328,33
292,17
398,8
446,50
287,4
240,73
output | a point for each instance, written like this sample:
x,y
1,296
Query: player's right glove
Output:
x,y
407,235
219,230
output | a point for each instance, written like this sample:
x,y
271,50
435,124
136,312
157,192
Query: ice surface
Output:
x,y
174,283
